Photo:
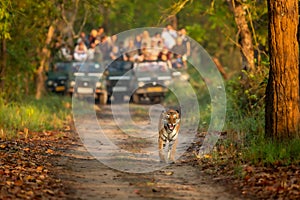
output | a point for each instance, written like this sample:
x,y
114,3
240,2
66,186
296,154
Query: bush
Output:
x,y
245,105
245,122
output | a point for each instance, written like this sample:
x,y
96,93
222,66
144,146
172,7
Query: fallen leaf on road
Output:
x,y
168,173
18,182
49,191
50,151
39,168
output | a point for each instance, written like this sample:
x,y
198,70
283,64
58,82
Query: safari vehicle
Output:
x,y
151,81
87,80
118,79
57,77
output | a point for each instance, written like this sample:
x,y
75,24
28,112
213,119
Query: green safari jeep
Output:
x,y
151,81
87,80
57,77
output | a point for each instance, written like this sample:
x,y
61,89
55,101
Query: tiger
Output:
x,y
169,124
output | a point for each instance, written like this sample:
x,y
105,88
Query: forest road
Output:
x,y
88,178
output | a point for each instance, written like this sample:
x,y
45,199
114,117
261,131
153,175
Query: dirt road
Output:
x,y
88,178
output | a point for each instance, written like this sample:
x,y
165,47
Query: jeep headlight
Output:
x,y
98,84
50,83
166,83
72,83
141,84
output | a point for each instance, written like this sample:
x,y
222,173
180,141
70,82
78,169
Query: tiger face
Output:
x,y
171,119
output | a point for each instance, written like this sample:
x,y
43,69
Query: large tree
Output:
x,y
282,94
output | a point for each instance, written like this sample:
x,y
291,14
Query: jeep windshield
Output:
x,y
61,67
88,67
119,66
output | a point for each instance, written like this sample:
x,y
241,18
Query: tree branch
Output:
x,y
82,24
173,10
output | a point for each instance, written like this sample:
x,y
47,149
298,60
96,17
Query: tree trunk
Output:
x,y
298,36
220,67
104,10
3,59
245,35
282,94
45,55
173,21
26,83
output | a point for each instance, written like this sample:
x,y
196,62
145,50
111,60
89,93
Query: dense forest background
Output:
x,y
25,48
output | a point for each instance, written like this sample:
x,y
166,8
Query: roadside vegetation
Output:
x,y
258,166
23,118
245,120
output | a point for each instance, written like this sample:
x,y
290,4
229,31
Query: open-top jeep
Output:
x,y
88,80
57,77
118,79
151,81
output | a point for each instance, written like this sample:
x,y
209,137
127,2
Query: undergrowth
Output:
x,y
245,120
31,115
245,123
268,152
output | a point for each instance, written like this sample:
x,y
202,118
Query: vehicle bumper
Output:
x,y
151,91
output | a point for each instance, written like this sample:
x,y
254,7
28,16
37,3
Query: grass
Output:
x,y
268,152
246,129
245,125
30,115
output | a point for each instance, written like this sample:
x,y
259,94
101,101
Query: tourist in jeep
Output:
x,y
80,52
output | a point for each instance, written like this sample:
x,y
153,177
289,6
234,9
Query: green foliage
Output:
x,y
136,14
6,17
245,118
28,34
211,24
240,126
35,115
257,13
245,122
268,152
196,32
249,88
